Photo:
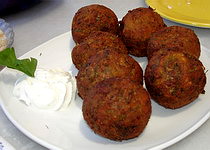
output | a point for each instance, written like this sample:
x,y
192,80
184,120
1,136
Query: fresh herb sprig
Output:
x,y
9,59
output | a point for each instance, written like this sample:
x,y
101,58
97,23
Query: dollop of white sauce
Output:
x,y
49,89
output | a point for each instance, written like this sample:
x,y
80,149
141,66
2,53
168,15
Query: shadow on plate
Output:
x,y
9,77
91,136
160,111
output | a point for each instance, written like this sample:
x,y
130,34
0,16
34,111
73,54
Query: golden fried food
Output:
x,y
95,42
174,79
93,18
136,28
106,64
117,109
174,37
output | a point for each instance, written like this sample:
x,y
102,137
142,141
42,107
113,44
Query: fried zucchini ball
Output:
x,y
95,42
106,64
174,79
136,28
176,37
117,109
93,18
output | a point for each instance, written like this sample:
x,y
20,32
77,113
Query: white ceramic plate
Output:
x,y
67,130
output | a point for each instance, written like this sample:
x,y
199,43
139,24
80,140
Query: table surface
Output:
x,y
51,18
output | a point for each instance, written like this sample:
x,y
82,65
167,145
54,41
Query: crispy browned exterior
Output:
x,y
176,37
174,79
93,18
93,43
106,64
136,28
117,109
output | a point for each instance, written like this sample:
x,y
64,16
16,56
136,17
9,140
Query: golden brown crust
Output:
x,y
176,37
136,28
95,42
117,109
93,18
106,64
174,79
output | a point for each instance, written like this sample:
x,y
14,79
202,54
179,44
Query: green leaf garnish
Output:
x,y
9,59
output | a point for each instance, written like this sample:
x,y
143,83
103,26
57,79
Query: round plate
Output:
x,y
67,129
189,12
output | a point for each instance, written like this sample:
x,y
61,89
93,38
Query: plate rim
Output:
x,y
40,141
151,3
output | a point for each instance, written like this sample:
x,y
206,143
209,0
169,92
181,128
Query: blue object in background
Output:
x,y
11,6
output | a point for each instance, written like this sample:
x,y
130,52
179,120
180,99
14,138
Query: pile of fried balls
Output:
x,y
110,81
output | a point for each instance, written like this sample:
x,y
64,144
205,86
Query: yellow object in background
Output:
x,y
189,12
